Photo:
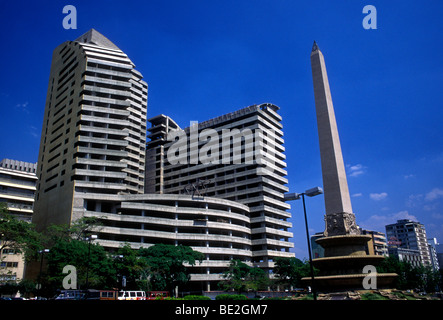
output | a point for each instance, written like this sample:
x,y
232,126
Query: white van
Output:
x,y
131,295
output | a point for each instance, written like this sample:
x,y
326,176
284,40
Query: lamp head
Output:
x,y
314,191
292,196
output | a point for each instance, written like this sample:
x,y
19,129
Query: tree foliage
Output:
x,y
130,266
159,267
241,277
290,271
166,265
18,235
92,263
409,277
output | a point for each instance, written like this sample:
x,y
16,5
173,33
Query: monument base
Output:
x,y
342,266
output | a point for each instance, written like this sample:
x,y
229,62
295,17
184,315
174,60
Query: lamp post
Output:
x,y
39,284
91,237
296,196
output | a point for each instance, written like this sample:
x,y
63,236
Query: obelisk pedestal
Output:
x,y
346,249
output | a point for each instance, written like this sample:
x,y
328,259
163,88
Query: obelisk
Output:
x,y
346,250
339,217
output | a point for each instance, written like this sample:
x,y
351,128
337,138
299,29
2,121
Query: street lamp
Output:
x,y
91,237
296,196
39,282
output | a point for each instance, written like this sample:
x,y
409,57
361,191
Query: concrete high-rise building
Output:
x,y
92,164
409,234
232,174
17,188
94,129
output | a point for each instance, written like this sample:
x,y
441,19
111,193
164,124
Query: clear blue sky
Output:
x,y
202,59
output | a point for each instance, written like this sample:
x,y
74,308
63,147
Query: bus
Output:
x,y
108,295
131,295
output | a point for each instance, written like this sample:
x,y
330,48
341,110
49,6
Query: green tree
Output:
x,y
402,269
409,277
93,265
128,264
78,230
290,271
241,278
165,265
69,246
18,235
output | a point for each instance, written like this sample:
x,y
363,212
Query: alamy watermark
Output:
x,y
70,21
370,281
370,20
70,281
228,146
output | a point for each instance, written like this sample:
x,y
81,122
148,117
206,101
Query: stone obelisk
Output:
x,y
339,217
346,250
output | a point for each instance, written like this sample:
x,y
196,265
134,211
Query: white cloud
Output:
x,y
378,222
23,107
437,216
357,195
408,176
356,170
33,132
414,200
434,194
378,196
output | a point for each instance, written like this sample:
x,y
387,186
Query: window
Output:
x,y
10,251
5,264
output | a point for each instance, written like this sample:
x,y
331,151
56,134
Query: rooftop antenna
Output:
x,y
198,187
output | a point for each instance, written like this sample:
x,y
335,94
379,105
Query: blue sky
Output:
x,y
202,59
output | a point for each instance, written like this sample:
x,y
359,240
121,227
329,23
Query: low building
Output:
x,y
378,242
407,255
317,250
218,228
17,188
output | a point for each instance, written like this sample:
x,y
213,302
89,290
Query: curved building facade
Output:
x,y
218,228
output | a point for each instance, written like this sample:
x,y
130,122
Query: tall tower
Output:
x,y
94,129
346,250
339,216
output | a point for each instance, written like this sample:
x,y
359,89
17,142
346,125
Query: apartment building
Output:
x,y
410,235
